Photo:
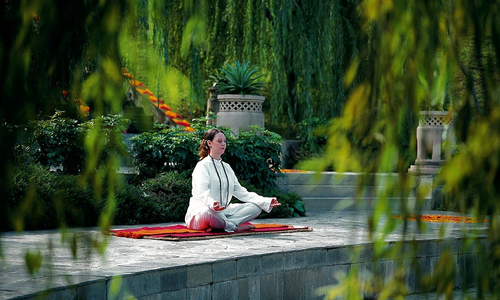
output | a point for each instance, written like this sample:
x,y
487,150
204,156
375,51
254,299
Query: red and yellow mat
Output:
x,y
441,218
182,233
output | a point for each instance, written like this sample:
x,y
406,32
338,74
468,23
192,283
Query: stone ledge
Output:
x,y
287,275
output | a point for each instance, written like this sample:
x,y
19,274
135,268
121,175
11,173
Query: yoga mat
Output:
x,y
182,233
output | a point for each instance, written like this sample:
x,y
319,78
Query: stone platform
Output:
x,y
274,266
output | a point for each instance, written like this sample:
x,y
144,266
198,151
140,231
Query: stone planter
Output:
x,y
240,112
435,128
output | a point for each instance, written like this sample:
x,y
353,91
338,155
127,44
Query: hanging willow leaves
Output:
x,y
303,47
432,55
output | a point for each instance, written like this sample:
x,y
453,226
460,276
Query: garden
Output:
x,y
348,81
46,189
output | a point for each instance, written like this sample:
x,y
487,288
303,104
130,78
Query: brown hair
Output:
x,y
209,135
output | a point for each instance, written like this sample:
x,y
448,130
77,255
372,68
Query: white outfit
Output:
x,y
207,190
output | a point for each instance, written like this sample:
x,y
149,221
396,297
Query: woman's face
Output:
x,y
218,145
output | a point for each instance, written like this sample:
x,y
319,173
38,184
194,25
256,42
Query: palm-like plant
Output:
x,y
242,78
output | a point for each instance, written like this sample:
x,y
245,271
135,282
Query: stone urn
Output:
x,y
435,128
240,112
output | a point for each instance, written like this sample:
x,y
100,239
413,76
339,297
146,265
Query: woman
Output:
x,y
214,184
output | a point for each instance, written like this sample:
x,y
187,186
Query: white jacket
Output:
x,y
206,189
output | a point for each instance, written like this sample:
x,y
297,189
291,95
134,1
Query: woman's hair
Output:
x,y
208,136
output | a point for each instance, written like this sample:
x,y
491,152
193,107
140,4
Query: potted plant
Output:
x,y
240,105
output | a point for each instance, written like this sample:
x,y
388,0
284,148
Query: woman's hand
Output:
x,y
218,207
275,202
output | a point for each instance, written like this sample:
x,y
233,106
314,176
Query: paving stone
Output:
x,y
295,285
199,275
272,263
147,283
248,288
200,293
225,290
93,290
295,260
314,278
121,287
338,256
148,297
68,293
248,266
224,271
316,258
174,295
271,286
334,235
427,249
173,279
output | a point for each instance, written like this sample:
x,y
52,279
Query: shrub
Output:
x,y
58,142
172,149
108,132
166,198
253,155
75,204
39,199
130,205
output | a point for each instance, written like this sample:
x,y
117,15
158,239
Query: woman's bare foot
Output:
x,y
244,228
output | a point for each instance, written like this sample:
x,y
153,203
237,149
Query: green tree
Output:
x,y
417,52
58,54
303,47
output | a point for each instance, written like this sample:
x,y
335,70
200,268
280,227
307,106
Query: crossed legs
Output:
x,y
229,219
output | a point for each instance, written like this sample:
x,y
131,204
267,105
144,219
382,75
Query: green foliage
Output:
x,y
60,143
291,206
172,149
166,198
253,155
66,143
303,48
56,53
39,199
33,261
131,205
412,59
242,78
36,198
104,139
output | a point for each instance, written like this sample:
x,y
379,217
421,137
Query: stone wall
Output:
x,y
281,275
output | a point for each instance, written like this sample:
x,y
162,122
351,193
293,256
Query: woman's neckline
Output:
x,y
219,159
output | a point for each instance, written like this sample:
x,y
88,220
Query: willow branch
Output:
x,y
467,74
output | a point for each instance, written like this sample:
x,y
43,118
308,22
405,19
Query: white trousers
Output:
x,y
235,214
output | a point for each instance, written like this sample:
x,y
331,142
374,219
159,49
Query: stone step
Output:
x,y
348,191
336,179
318,204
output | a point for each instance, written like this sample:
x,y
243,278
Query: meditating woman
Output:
x,y
214,184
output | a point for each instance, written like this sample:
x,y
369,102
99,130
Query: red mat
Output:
x,y
182,233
